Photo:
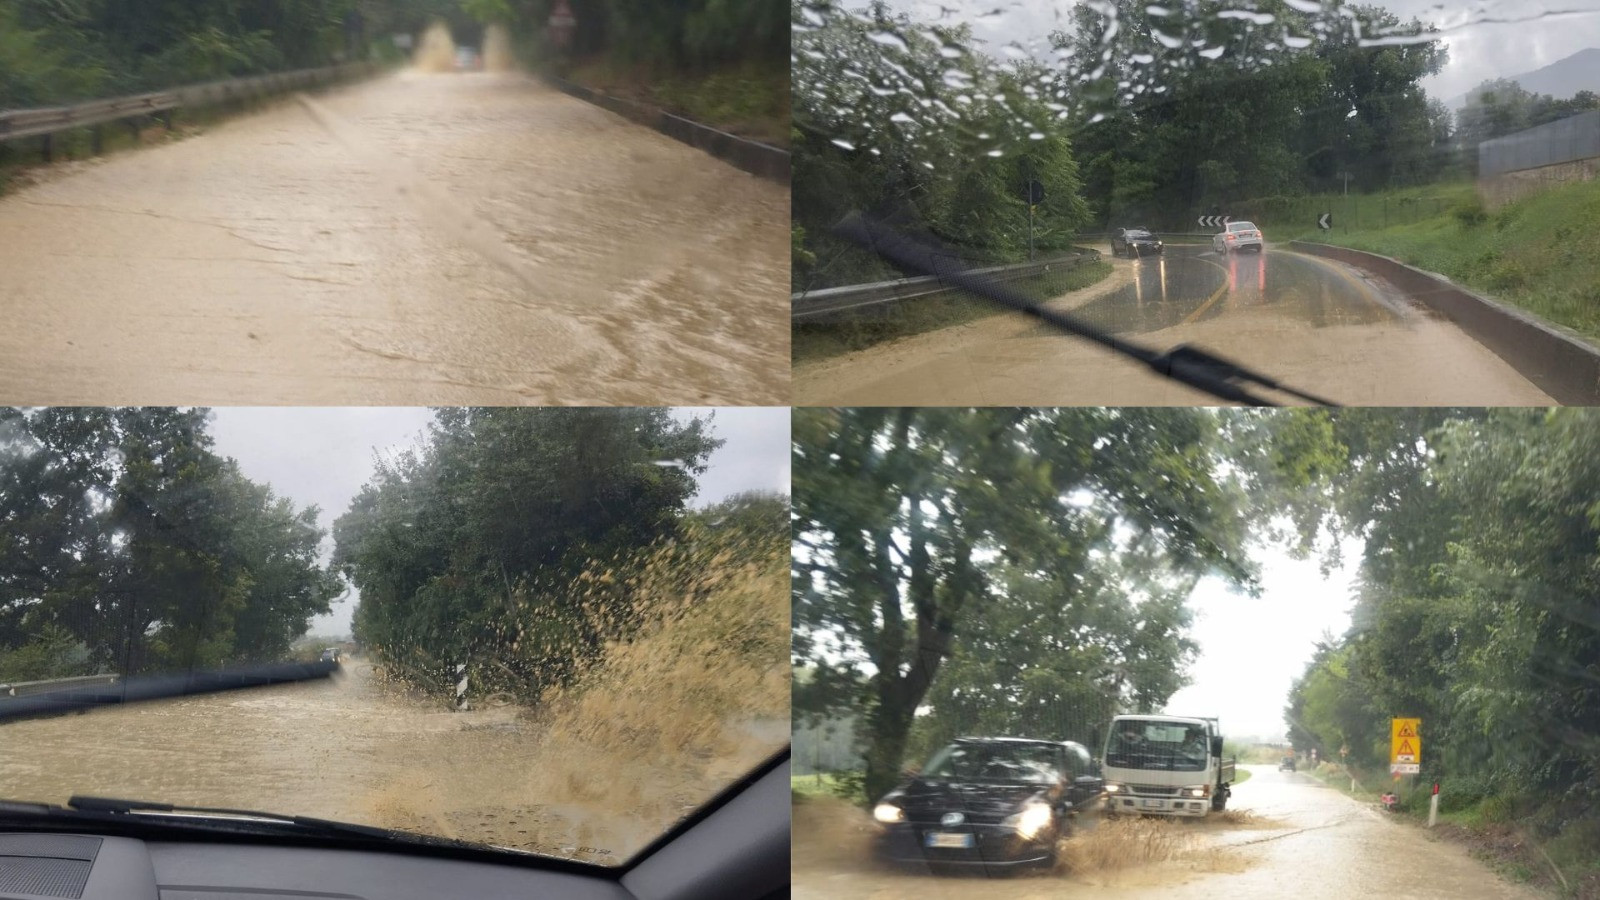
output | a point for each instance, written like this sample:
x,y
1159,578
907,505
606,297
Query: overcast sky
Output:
x,y
323,456
1487,38
1252,648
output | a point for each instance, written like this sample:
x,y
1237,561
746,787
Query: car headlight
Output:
x,y
1199,790
1034,818
1113,788
888,813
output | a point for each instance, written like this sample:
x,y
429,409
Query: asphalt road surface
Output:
x,y
1314,324
417,239
1296,838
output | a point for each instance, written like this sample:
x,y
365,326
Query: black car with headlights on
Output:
x,y
993,802
1134,243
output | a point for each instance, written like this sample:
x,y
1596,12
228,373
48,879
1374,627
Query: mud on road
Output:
x,y
353,749
1313,324
417,239
1283,835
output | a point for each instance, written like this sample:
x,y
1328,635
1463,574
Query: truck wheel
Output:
x,y
1219,802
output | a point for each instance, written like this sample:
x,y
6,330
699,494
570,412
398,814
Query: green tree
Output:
x,y
908,522
467,548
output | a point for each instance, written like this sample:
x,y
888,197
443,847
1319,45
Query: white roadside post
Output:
x,y
1433,805
461,688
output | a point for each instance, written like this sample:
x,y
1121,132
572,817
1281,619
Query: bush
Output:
x,y
1470,212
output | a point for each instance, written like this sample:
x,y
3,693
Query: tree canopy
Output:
x,y
128,545
932,543
1476,609
1139,113
468,549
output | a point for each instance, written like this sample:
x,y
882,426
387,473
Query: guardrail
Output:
x,y
25,123
758,159
25,688
837,302
78,697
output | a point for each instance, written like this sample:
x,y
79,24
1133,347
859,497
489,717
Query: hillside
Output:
x,y
1560,79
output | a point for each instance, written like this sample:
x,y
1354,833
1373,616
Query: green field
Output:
x,y
1541,253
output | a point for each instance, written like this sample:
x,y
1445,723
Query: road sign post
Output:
x,y
1405,746
1433,806
1033,193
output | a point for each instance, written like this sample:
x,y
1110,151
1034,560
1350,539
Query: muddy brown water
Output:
x,y
1314,324
1296,839
348,748
416,239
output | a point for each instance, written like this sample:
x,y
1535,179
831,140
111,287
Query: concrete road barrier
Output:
x,y
1562,365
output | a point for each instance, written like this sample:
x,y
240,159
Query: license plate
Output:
x,y
949,841
1154,804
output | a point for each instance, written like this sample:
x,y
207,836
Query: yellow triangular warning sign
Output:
x,y
1405,749
1407,731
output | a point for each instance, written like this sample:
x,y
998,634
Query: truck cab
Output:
x,y
1166,766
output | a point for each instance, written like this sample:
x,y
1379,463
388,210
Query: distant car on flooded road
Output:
x,y
1135,242
987,802
1238,236
466,59
330,655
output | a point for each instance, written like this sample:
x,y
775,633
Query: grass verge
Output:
x,y
811,342
749,99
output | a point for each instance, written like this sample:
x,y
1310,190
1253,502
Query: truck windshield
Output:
x,y
1167,746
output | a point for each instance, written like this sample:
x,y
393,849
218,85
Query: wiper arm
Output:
x,y
1200,369
326,826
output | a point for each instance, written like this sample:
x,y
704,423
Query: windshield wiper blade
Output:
x,y
1200,369
111,805
249,819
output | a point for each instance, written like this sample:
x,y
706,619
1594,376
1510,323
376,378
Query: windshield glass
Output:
x,y
1455,138
998,761
557,631
1397,600
1137,744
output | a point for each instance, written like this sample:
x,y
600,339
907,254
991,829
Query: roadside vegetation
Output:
x,y
721,64
816,341
1455,625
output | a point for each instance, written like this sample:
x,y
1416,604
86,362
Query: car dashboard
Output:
x,y
736,850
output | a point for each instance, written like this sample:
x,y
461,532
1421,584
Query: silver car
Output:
x,y
1239,236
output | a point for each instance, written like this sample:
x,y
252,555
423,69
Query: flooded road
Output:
x,y
417,239
1285,835
1314,324
352,749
